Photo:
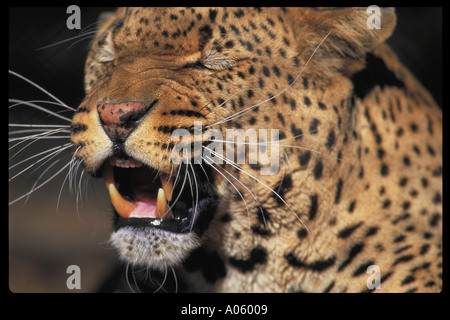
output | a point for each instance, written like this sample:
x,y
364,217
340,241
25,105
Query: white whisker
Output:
x,y
44,101
67,177
25,125
211,164
54,150
194,202
32,131
175,279
266,186
182,186
85,34
40,138
126,277
242,184
78,192
40,88
34,138
20,102
90,36
35,188
164,280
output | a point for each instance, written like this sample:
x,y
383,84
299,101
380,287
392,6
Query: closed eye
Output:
x,y
218,62
214,62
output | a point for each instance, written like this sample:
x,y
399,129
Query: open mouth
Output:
x,y
143,197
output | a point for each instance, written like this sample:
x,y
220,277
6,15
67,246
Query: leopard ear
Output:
x,y
348,34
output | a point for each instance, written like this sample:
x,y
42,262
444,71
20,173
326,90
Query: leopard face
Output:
x,y
310,223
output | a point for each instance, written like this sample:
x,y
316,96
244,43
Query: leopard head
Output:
x,y
206,73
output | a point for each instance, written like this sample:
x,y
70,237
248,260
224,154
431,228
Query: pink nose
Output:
x,y
120,119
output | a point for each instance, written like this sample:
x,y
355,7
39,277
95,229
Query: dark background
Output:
x,y
44,240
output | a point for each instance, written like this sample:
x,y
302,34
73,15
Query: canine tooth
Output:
x,y
167,186
122,206
161,204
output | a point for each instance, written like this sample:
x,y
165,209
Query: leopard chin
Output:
x,y
148,246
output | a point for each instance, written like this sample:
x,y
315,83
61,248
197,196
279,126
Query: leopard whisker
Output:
x,y
93,26
209,159
31,104
26,139
15,154
175,279
41,101
26,125
177,177
22,139
73,163
171,171
204,171
36,187
41,89
91,36
287,158
87,32
266,186
164,280
53,152
86,35
73,171
211,164
195,206
239,168
32,131
47,134
79,193
126,277
42,135
182,186
45,162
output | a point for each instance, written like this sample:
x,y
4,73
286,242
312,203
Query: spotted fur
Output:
x,y
360,179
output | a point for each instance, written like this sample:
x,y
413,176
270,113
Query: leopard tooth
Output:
x,y
123,207
161,204
167,186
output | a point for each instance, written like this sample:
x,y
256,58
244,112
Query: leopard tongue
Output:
x,y
144,207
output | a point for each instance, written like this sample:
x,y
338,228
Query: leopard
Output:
x,y
354,200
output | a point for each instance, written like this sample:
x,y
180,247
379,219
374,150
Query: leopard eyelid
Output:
x,y
218,63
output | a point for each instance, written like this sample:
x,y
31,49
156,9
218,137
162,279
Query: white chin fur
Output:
x,y
153,248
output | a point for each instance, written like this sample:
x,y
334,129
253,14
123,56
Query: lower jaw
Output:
x,y
153,248
160,243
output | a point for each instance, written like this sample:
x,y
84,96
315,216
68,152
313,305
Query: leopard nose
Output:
x,y
120,119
